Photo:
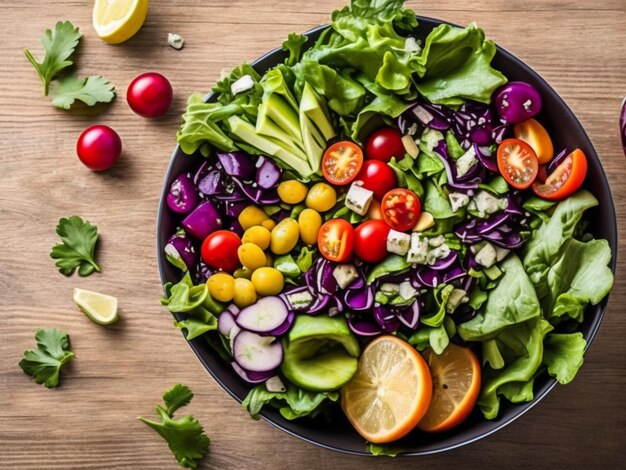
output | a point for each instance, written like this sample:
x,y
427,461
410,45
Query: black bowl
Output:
x,y
338,434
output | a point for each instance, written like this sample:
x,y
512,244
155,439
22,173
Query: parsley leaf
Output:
x,y
45,362
59,47
77,250
90,90
185,436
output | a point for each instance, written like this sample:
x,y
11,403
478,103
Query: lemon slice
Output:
x,y
100,308
117,21
390,393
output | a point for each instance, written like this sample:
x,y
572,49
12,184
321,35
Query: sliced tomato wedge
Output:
x,y
565,179
335,240
401,209
535,135
341,162
517,163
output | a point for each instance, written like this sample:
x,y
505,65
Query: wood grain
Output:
x,y
120,372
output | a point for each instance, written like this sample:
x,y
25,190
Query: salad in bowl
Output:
x,y
382,226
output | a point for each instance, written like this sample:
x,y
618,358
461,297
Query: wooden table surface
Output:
x,y
120,372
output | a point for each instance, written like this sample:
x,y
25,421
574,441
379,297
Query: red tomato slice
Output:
x,y
378,177
535,135
335,240
517,163
385,143
565,179
341,162
401,209
370,242
219,250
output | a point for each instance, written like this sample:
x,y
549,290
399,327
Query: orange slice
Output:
x,y
456,385
390,392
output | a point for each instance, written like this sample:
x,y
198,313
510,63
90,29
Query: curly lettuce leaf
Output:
x,y
521,347
513,301
456,64
563,355
292,404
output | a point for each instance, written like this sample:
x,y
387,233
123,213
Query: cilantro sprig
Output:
x,y
184,436
59,47
77,250
44,363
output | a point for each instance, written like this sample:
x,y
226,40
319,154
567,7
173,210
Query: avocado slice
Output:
x,y
320,353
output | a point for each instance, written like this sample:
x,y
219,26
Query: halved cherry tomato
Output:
x,y
565,179
535,135
335,240
341,163
401,208
517,163
219,250
378,177
384,143
370,243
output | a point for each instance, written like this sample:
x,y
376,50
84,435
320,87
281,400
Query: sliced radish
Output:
x,y
257,353
225,323
284,327
234,331
264,316
252,377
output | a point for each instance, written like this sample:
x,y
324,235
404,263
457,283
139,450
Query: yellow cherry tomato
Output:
x,y
245,294
321,197
284,236
268,224
251,256
251,216
309,222
292,191
267,281
221,287
258,235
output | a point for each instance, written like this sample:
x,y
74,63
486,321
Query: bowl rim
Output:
x,y
521,408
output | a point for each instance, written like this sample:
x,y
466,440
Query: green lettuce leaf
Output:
x,y
456,63
563,355
521,347
292,404
513,301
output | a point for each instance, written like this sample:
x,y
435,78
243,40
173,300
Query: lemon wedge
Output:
x,y
99,308
117,21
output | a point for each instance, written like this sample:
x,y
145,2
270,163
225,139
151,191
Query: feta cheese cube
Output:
x,y
466,162
458,200
175,40
486,203
245,83
358,199
299,300
398,242
486,256
418,251
407,291
345,274
275,384
437,253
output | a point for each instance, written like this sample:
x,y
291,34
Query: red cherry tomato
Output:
x,y
335,240
518,163
370,242
149,95
219,250
384,143
341,162
565,179
378,177
99,147
401,209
